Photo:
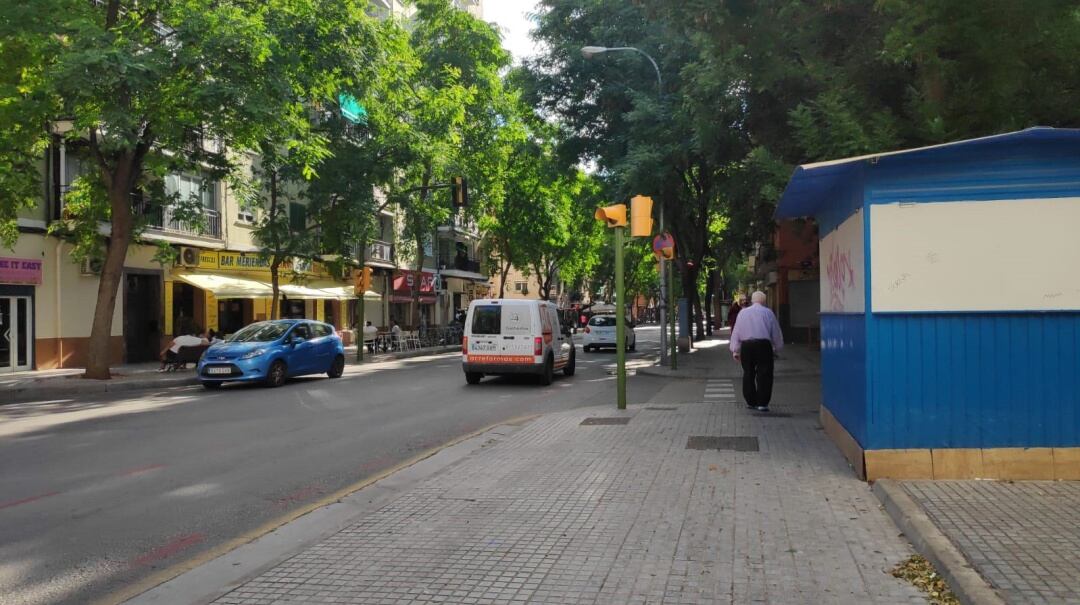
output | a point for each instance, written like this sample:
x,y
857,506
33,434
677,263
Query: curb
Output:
x,y
78,386
928,540
87,387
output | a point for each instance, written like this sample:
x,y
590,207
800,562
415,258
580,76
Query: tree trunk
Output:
x,y
99,351
275,280
502,282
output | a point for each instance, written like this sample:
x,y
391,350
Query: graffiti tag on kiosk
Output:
x,y
841,275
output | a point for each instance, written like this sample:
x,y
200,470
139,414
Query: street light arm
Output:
x,y
659,78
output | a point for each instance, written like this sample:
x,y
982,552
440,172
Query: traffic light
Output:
x,y
640,216
459,188
614,216
362,281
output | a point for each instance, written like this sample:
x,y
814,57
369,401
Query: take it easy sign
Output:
x,y
20,271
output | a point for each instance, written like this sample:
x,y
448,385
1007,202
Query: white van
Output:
x,y
515,337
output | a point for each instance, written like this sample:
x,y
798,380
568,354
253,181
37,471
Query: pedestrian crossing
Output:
x,y
719,391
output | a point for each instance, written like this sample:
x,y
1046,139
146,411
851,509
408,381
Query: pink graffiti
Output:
x,y
841,276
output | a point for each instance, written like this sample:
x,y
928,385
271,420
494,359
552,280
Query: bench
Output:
x,y
185,356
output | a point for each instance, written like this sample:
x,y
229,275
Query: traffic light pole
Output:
x,y
620,321
360,305
671,305
662,303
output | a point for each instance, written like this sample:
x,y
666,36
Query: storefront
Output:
x,y
459,288
19,278
224,291
401,298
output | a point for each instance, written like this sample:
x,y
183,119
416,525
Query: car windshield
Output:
x,y
260,332
603,322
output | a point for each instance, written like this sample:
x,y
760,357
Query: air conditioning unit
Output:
x,y
91,266
188,257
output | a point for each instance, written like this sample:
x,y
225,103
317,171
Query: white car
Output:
x,y
600,332
515,337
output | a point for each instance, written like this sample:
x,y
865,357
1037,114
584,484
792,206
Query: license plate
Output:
x,y
219,370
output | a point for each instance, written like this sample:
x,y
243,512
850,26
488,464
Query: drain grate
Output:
x,y
736,444
660,408
596,421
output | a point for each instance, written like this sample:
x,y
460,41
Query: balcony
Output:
x,y
461,225
162,220
459,263
381,252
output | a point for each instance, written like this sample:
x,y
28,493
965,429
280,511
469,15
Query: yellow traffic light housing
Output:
x,y
362,281
614,216
641,222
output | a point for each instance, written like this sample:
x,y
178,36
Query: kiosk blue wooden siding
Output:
x,y
950,300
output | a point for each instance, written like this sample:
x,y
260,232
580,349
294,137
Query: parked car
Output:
x,y
600,332
272,351
515,337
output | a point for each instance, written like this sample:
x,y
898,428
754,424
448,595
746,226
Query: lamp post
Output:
x,y
590,52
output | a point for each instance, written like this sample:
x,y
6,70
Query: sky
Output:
x,y
510,17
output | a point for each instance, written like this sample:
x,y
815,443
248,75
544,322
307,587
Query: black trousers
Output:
x,y
757,365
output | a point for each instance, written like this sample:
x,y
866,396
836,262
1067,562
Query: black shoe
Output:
x,y
762,408
751,406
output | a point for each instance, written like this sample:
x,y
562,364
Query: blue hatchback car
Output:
x,y
272,351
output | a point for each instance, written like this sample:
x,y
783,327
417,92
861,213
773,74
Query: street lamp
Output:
x,y
590,52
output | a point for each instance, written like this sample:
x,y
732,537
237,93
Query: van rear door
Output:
x,y
517,333
501,333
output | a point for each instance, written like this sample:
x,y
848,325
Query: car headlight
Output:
x,y
253,354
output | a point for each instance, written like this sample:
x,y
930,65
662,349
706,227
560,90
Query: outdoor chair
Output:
x,y
185,356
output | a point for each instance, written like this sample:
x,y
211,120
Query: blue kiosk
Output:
x,y
950,306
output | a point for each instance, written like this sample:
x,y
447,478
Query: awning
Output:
x,y
346,293
227,286
459,274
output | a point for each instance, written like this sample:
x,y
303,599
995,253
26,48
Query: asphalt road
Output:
x,y
100,494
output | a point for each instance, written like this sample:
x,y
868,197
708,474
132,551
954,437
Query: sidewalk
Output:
x,y
1021,539
711,358
686,498
68,383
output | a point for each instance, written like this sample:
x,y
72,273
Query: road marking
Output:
x,y
13,503
138,470
717,390
134,590
167,550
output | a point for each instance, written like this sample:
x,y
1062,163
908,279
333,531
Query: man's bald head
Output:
x,y
758,297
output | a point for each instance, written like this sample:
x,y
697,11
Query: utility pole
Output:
x,y
620,321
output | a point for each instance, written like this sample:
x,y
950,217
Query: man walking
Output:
x,y
755,340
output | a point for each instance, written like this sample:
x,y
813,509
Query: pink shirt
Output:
x,y
756,322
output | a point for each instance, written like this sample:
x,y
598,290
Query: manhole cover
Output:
x,y
595,421
735,444
660,408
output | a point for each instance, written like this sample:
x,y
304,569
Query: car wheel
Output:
x,y
211,385
570,365
586,348
548,376
275,377
337,368
633,345
473,377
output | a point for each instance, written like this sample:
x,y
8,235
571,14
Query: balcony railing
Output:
x,y
461,224
459,263
163,219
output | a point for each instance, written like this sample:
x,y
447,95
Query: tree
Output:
x,y
138,79
456,113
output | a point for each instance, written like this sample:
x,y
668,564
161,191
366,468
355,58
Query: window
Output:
x,y
320,330
603,321
297,217
187,187
487,319
246,215
521,287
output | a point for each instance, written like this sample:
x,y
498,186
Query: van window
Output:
x,y
487,319
602,321
516,320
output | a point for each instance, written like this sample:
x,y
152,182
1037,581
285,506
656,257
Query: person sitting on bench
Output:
x,y
170,353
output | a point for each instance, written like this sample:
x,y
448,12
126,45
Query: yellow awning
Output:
x,y
223,286
346,293
228,286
